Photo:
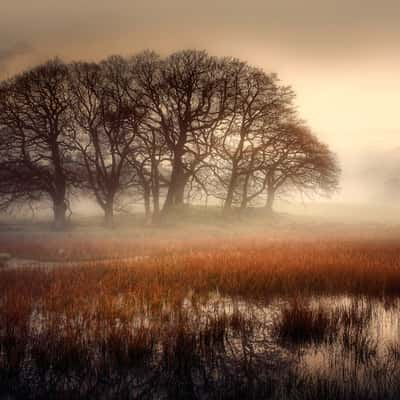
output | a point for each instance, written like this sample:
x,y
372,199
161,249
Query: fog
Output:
x,y
191,227
340,57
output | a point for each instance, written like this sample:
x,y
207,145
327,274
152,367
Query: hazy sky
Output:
x,y
342,57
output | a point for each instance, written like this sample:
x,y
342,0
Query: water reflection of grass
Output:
x,y
299,323
156,327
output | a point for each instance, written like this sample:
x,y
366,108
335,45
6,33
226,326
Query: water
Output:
x,y
218,345
361,353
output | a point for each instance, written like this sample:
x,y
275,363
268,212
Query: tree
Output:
x,y
258,104
179,127
34,115
146,162
103,138
301,162
187,101
151,152
18,185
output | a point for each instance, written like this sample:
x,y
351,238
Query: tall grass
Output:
x,y
299,323
129,329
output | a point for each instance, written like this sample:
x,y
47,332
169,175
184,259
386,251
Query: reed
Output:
x,y
125,326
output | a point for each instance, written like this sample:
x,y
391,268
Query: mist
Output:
x,y
341,58
200,200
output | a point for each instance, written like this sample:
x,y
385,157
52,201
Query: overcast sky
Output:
x,y
342,57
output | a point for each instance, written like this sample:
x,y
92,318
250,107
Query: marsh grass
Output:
x,y
155,328
299,323
356,338
393,350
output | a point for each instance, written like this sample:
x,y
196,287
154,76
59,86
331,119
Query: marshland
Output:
x,y
199,200
287,311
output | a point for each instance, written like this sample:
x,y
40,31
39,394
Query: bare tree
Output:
x,y
18,184
258,104
34,114
300,162
184,127
146,161
104,140
187,99
151,152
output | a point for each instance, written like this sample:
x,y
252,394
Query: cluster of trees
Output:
x,y
165,129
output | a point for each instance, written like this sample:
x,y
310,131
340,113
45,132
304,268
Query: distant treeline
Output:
x,y
160,130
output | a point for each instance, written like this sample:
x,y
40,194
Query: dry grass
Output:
x,y
148,323
253,267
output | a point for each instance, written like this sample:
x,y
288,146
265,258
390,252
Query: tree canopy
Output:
x,y
158,129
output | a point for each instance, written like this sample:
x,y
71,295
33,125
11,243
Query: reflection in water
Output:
x,y
212,347
359,353
363,354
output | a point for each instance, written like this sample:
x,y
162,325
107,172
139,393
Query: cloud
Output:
x,y
309,28
10,54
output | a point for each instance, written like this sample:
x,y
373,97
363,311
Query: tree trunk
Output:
x,y
109,214
147,208
155,189
244,201
180,190
59,209
60,187
59,203
270,200
175,186
234,176
230,192
156,205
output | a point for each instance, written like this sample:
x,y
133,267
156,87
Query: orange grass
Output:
x,y
76,246
259,269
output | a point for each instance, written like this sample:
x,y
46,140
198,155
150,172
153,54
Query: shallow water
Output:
x,y
367,357
361,354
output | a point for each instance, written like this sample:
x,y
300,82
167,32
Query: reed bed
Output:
x,y
231,322
256,267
